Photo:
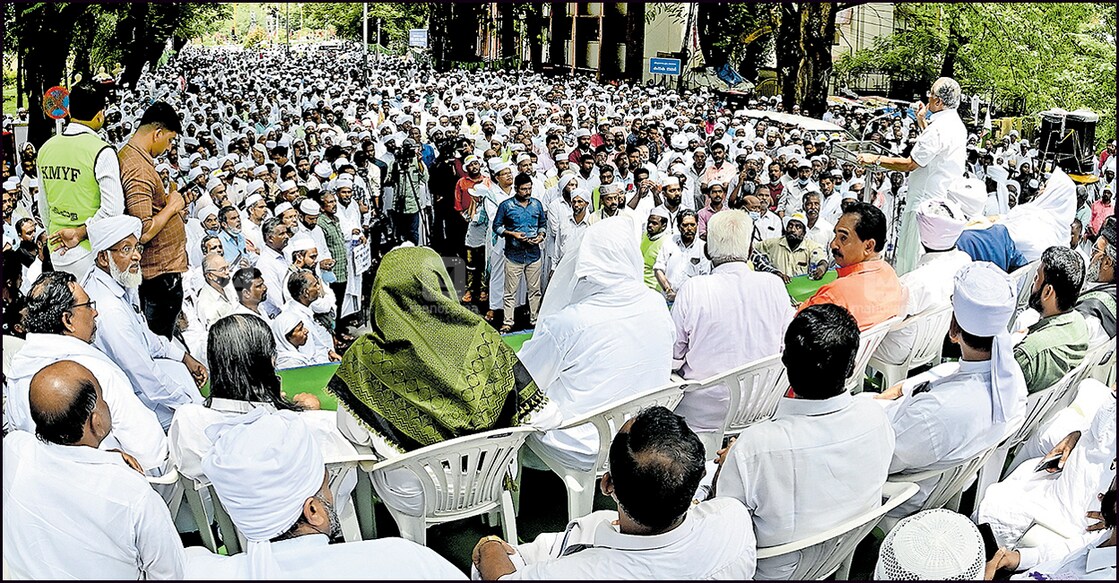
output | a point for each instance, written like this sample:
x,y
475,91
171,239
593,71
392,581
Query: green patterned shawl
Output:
x,y
430,370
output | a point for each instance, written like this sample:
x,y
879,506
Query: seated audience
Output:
x,y
793,254
1059,341
932,545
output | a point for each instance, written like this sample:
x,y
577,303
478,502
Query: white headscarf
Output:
x,y
605,269
984,300
940,223
1044,221
263,467
287,354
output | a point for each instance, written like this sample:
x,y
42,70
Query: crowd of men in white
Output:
x,y
648,233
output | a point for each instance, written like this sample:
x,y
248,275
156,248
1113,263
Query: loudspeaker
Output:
x,y
1068,138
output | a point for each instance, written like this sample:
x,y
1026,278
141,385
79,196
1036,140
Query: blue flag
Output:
x,y
729,75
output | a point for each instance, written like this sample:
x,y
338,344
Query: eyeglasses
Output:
x,y
129,249
92,305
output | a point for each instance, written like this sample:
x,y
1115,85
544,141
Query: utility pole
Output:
x,y
378,40
287,25
365,41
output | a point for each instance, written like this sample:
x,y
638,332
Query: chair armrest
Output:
x,y
170,477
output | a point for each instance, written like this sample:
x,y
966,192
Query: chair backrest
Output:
x,y
755,389
950,481
1041,405
821,555
930,327
869,340
608,419
463,476
1068,386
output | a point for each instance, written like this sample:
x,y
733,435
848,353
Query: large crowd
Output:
x,y
240,213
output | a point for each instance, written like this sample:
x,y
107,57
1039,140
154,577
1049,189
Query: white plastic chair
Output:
x,y
950,484
832,551
869,340
460,478
169,479
607,420
929,327
755,389
1040,406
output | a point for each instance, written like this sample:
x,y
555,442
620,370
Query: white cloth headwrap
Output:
x,y
109,231
1044,221
940,223
984,300
606,269
263,467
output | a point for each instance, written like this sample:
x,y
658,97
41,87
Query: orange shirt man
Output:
x,y
867,285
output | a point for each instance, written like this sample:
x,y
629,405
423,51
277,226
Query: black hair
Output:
x,y
162,115
66,426
521,180
86,100
282,151
243,278
240,349
298,282
981,343
1064,270
656,467
224,211
683,214
49,298
820,348
641,170
871,224
270,225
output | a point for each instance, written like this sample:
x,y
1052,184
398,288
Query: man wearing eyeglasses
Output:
x,y
163,375
937,159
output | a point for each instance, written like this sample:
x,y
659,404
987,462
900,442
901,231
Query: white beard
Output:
x,y
125,278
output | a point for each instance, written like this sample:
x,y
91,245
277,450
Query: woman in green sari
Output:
x,y
429,370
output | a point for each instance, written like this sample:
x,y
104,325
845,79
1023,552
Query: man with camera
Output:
x,y
407,177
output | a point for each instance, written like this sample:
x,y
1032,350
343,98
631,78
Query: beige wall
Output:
x,y
857,27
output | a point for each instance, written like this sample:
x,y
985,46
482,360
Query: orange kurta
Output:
x,y
869,290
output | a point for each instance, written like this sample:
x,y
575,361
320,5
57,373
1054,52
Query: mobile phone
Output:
x,y
990,543
1049,463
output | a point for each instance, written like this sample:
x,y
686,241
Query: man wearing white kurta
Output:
x,y
602,336
929,285
268,471
957,410
320,343
937,159
797,473
72,510
726,319
56,333
656,463
163,375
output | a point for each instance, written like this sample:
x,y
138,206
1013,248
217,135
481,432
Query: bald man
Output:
x,y
74,511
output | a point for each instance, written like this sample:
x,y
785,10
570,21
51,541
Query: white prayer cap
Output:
x,y
193,174
984,300
796,217
252,199
112,230
260,148
301,242
970,194
494,163
659,211
282,208
932,545
503,167
340,162
582,132
566,178
581,193
254,186
309,207
11,183
670,181
288,185
163,167
263,466
523,157
259,170
940,223
204,212
469,159
323,169
343,181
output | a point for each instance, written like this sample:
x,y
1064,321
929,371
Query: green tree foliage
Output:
x,y
47,35
1025,57
345,17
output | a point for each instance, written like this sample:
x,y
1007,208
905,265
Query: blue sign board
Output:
x,y
417,37
659,66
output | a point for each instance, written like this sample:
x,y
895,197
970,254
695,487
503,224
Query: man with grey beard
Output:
x,y
163,375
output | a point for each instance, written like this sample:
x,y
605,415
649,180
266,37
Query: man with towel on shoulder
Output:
x,y
270,476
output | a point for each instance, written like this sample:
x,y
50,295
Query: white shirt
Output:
x,y
823,232
799,475
125,338
945,425
714,541
929,286
768,226
1089,562
680,262
136,429
588,355
214,305
319,341
318,237
313,557
724,320
568,232
941,153
75,512
106,168
274,269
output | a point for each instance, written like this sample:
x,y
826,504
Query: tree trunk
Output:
x,y
804,40
560,31
506,35
535,26
635,41
45,43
